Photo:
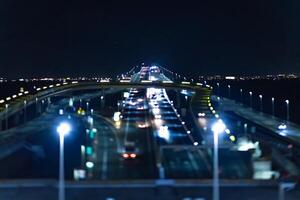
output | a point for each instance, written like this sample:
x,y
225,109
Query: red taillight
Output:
x,y
125,155
132,155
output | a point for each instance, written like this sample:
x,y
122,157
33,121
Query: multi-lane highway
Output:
x,y
136,131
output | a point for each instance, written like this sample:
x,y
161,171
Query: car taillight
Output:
x,y
125,155
132,155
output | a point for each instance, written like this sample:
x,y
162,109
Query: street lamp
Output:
x,y
6,116
287,110
36,107
87,106
217,128
229,95
63,129
260,103
273,106
241,95
218,87
25,113
250,93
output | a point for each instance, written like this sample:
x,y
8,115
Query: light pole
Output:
x,y
273,106
229,95
260,103
43,105
218,89
25,102
287,110
241,95
87,107
217,128
63,129
6,116
36,105
250,93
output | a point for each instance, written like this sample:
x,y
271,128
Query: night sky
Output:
x,y
77,38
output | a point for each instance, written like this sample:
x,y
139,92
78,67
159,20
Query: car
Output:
x,y
282,126
130,151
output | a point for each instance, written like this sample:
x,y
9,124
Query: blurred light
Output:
x,y
117,116
132,155
89,150
89,164
71,102
118,124
282,127
201,114
94,130
125,155
156,111
232,138
64,128
90,120
218,127
163,132
157,116
227,131
126,94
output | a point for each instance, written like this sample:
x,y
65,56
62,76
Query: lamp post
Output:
x,y
250,93
229,95
218,89
260,103
287,110
87,106
217,128
273,106
241,95
36,105
25,113
6,116
63,129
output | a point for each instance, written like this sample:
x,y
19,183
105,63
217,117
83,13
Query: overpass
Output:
x,y
14,105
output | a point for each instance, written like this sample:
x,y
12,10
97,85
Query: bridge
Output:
x,y
171,131
12,105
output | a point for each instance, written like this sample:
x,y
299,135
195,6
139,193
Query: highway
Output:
x,y
144,128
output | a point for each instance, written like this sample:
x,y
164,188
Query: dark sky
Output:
x,y
82,37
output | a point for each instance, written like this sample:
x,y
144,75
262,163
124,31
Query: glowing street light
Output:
x,y
250,93
287,110
273,106
217,128
63,129
6,116
241,95
25,112
229,95
87,106
260,103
